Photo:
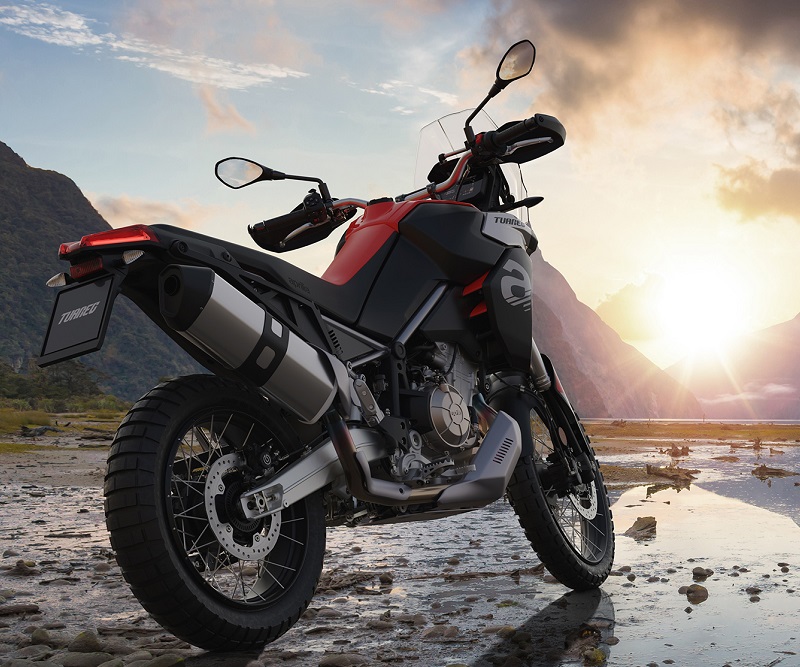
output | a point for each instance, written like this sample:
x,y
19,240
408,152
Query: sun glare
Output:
x,y
701,309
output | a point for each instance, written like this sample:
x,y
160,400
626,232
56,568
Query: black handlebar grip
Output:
x,y
271,232
497,140
508,135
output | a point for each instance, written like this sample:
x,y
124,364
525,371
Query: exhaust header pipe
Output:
x,y
220,320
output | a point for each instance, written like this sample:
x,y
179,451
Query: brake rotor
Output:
x,y
585,502
222,491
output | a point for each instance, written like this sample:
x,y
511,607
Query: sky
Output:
x,y
673,209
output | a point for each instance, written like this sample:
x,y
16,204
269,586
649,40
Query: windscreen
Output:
x,y
446,135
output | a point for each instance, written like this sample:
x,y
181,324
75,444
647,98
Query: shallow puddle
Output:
x,y
464,590
743,545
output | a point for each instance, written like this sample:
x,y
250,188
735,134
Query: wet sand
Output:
x,y
461,591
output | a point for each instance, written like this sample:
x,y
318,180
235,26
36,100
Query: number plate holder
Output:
x,y
79,321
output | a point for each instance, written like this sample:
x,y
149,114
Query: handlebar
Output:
x,y
498,140
314,219
279,226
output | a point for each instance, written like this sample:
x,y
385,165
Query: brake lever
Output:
x,y
296,232
528,142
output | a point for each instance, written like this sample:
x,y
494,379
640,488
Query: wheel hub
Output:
x,y
247,540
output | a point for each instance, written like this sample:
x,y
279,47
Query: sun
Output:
x,y
701,308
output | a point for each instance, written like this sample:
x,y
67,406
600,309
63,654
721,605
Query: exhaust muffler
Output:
x,y
220,320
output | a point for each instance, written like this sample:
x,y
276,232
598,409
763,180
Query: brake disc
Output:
x,y
223,489
585,502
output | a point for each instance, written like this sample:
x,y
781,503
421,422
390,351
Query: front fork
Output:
x,y
570,464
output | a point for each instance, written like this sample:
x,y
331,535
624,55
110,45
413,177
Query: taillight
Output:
x,y
90,266
132,234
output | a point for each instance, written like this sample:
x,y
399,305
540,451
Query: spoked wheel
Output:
x,y
558,494
206,572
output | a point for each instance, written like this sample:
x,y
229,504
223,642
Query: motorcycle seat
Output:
x,y
343,302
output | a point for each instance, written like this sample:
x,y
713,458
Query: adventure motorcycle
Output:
x,y
402,385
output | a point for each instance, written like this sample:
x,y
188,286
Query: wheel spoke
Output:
x,y
572,512
206,441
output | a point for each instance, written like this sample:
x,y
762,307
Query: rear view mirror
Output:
x,y
236,172
516,63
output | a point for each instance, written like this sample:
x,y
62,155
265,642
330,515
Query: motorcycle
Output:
x,y
402,385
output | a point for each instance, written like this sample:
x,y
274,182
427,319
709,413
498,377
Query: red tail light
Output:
x,y
93,265
132,234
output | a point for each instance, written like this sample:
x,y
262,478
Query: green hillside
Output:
x,y
40,209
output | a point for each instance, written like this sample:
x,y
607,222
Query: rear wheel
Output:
x,y
211,576
557,491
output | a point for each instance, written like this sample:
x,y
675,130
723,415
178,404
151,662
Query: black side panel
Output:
x,y
451,236
406,280
507,291
449,322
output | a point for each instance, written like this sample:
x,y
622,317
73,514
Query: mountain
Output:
x,y
757,378
39,210
603,375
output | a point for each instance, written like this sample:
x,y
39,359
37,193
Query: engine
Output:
x,y
443,427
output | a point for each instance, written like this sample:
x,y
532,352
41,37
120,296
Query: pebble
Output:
x,y
166,660
696,593
343,660
16,609
440,631
701,573
377,624
412,619
85,642
329,612
93,659
41,636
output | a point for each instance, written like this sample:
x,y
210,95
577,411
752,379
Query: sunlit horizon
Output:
x,y
680,175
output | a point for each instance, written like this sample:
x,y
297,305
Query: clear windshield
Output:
x,y
446,135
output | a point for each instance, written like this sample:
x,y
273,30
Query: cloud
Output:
x,y
50,24
759,189
633,311
601,55
222,116
754,392
755,192
124,210
251,28
634,74
410,94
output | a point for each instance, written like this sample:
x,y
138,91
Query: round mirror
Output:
x,y
236,172
517,62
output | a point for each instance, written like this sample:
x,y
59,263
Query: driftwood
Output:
x,y
764,472
676,475
36,432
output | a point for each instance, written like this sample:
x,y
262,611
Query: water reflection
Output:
x,y
575,629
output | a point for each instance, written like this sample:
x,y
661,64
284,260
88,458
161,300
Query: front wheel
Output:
x,y
180,460
557,490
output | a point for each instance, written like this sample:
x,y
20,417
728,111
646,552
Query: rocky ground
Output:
x,y
703,580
